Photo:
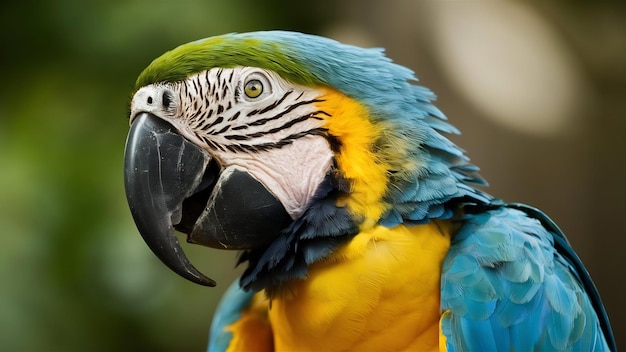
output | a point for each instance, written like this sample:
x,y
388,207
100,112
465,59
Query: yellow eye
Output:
x,y
253,88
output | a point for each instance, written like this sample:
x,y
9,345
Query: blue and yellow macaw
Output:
x,y
358,220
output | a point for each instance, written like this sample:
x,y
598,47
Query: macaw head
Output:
x,y
283,146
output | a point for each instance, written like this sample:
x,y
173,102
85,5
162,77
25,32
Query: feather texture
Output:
x,y
507,287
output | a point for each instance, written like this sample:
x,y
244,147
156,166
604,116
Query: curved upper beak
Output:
x,y
172,184
161,170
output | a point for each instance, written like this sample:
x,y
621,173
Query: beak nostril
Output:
x,y
149,100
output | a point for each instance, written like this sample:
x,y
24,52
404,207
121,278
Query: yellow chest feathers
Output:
x,y
380,292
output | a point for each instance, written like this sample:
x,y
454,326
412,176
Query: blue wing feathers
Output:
x,y
487,340
523,292
228,311
563,246
507,287
561,297
509,313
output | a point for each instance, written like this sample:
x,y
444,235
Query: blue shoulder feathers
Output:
x,y
507,287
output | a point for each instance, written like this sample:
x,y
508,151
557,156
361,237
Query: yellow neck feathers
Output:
x,y
363,166
379,292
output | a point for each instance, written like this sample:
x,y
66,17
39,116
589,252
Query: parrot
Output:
x,y
361,226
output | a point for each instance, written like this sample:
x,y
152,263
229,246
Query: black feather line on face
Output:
x,y
244,148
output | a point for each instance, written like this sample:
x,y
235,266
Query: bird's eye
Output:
x,y
253,88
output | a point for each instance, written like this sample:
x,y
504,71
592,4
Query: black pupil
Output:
x,y
254,86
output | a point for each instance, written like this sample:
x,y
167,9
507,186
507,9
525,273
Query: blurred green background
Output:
x,y
538,91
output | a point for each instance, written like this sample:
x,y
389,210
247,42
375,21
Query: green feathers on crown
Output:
x,y
226,51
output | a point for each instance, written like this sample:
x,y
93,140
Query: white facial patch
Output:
x,y
252,119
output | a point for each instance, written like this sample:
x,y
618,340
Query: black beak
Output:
x,y
172,184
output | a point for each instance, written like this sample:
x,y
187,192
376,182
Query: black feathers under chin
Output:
x,y
314,235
